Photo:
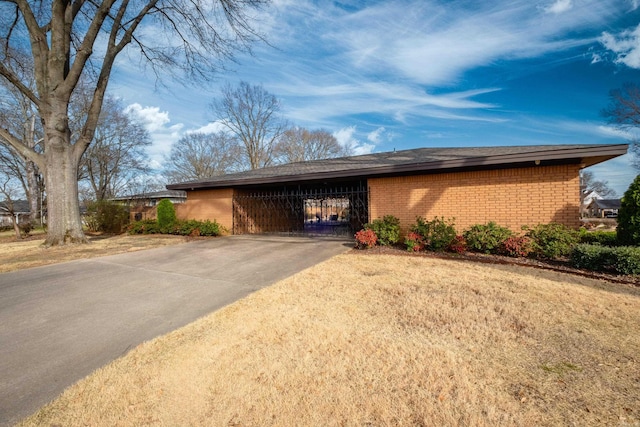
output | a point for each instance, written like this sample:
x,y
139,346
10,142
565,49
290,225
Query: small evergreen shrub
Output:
x,y
365,239
189,227
627,259
552,240
436,234
166,213
106,216
486,238
604,238
145,226
516,246
458,245
592,257
387,229
629,215
414,242
620,259
210,228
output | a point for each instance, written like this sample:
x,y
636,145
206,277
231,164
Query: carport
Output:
x,y
338,208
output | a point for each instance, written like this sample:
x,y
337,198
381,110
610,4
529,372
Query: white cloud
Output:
x,y
162,135
211,127
611,131
559,6
377,135
625,45
152,117
346,138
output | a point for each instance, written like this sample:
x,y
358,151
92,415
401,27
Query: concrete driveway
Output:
x,y
61,322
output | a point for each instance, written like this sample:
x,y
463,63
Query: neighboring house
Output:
x,y
513,186
20,210
143,206
604,208
588,197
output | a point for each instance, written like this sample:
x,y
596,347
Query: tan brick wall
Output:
x,y
208,204
510,197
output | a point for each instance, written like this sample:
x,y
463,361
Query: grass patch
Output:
x,y
27,253
384,340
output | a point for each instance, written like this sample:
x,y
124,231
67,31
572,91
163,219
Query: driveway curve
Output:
x,y
61,322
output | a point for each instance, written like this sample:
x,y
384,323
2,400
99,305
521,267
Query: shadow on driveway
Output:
x,y
59,323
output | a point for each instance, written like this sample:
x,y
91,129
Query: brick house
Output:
x,y
604,208
143,205
513,186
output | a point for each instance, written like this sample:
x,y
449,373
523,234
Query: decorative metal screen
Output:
x,y
318,210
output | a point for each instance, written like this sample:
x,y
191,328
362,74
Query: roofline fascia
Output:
x,y
570,155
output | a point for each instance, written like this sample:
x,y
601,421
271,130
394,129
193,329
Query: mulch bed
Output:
x,y
561,266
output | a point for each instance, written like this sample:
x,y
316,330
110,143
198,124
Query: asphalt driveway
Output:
x,y
61,322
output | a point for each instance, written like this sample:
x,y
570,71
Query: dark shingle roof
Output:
x,y
606,203
19,206
164,194
419,160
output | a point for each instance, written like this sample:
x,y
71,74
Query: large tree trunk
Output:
x,y
61,179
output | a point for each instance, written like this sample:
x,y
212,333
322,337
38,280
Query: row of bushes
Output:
x,y
189,227
167,223
620,259
110,217
592,250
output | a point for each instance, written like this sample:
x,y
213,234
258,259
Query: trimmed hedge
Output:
x,y
621,259
604,238
190,227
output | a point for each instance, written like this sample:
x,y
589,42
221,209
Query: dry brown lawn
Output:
x,y
385,340
26,253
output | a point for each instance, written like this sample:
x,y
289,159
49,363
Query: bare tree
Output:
x,y
18,114
202,155
9,191
117,153
299,144
624,112
68,39
252,115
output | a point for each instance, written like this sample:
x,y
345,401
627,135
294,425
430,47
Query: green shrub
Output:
x,y
192,227
166,216
486,238
629,215
552,240
145,226
106,216
604,238
387,229
592,257
210,228
627,260
620,259
436,234
366,239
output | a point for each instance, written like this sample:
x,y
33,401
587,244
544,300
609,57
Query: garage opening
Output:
x,y
334,209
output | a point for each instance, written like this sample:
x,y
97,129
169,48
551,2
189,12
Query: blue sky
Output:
x,y
384,75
